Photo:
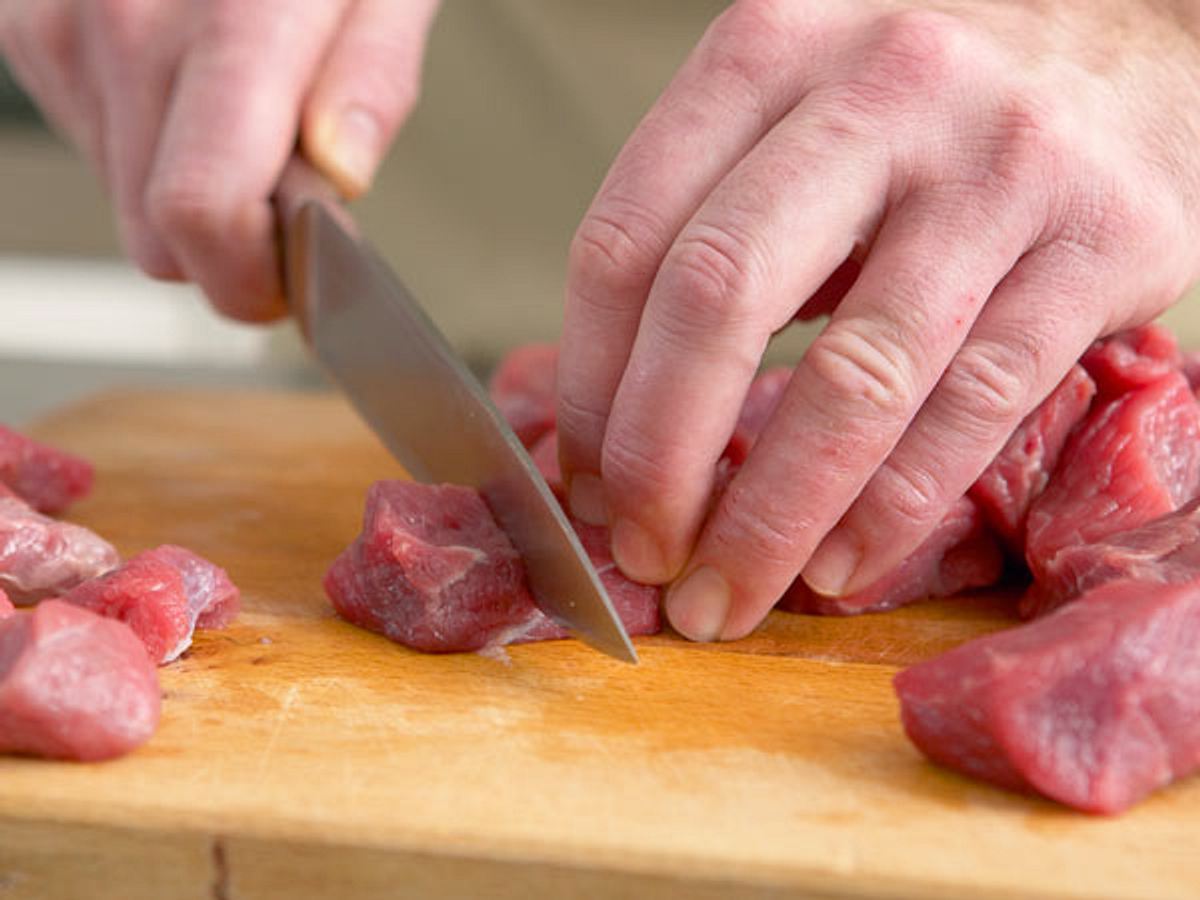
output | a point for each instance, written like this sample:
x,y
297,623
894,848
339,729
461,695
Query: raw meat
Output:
x,y
1020,472
40,556
1132,460
524,388
432,570
47,478
1094,705
761,400
73,685
830,294
636,604
1165,550
960,554
6,607
1132,359
545,456
162,594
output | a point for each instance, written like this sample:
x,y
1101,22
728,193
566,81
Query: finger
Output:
x,y
41,42
770,233
1035,326
230,127
730,92
856,389
366,88
133,50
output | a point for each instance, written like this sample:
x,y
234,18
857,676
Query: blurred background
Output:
x,y
524,106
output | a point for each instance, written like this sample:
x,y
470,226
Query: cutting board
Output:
x,y
301,757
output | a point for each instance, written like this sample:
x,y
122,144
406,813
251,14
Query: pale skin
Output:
x,y
1016,179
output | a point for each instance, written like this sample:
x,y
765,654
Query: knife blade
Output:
x,y
399,371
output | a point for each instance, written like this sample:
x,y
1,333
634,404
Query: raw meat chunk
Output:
x,y
761,400
1132,359
6,607
1094,705
1134,459
524,388
636,604
40,556
432,570
1166,550
162,594
960,554
545,456
73,685
1020,472
830,294
48,479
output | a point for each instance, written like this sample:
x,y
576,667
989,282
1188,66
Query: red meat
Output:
x,y
1094,705
162,594
524,388
73,685
766,391
48,479
545,456
41,557
1132,359
960,554
432,570
1133,459
1021,471
6,607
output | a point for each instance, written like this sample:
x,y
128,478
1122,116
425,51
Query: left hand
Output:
x,y
1018,179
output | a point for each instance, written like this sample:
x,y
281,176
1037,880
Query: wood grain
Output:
x,y
300,756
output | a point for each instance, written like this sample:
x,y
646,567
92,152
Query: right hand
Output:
x,y
189,111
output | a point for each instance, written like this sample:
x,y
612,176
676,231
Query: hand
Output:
x,y
1017,178
188,111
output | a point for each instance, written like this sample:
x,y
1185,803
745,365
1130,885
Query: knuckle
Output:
x,y
633,462
47,32
185,206
913,53
713,270
765,526
986,385
1031,140
863,369
740,54
904,497
124,22
614,251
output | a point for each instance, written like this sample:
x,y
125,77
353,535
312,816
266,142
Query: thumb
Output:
x,y
366,87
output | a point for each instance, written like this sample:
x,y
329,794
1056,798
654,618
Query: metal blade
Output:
x,y
430,411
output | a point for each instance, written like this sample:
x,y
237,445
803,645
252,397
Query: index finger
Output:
x,y
731,90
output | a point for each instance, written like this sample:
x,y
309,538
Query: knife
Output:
x,y
422,401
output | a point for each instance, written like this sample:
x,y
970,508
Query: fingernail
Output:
x,y
349,149
699,605
832,565
637,554
587,500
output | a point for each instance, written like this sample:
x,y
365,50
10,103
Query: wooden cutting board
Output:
x,y
301,757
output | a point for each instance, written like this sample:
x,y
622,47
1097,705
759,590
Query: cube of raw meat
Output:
x,y
433,571
6,607
1131,359
524,388
73,685
1166,549
960,554
41,557
1094,705
47,478
1020,472
636,604
1132,460
761,400
544,454
162,594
